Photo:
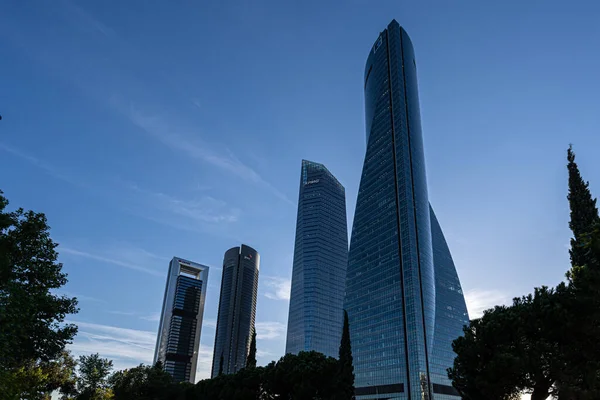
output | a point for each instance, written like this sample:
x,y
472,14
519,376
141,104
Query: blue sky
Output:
x,y
147,130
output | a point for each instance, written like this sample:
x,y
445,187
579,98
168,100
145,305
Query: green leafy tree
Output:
x,y
92,382
33,334
308,375
31,316
143,383
513,349
39,380
251,360
543,344
584,213
346,369
582,327
486,366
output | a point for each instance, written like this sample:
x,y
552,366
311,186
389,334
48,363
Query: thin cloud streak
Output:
x,y
47,168
161,130
128,347
80,297
155,317
205,209
77,253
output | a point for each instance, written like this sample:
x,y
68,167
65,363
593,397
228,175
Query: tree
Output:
x,y
143,383
346,369
584,213
544,343
581,327
39,380
32,318
220,365
33,334
92,382
580,376
308,375
513,349
486,366
251,360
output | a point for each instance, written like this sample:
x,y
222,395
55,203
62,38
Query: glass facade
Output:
x,y
320,262
181,319
391,294
237,309
450,312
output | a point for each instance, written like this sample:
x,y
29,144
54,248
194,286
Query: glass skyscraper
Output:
x,y
320,262
237,310
181,319
403,297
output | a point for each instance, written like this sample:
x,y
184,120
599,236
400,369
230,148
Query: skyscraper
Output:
x,y
181,319
237,310
320,262
403,297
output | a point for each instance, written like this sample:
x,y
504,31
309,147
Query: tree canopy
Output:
x,y
32,316
545,343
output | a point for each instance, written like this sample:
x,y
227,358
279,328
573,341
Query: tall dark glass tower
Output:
x,y
320,262
237,309
402,291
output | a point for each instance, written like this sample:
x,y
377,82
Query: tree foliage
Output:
x,y
143,383
584,213
92,380
33,334
38,380
251,360
544,343
346,368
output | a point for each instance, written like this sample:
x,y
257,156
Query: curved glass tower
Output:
x,y
320,261
392,295
237,310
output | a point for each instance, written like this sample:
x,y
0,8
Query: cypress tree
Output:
x,y
584,213
346,374
221,365
251,360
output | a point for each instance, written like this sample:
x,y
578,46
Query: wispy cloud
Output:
x,y
128,347
125,313
196,102
86,21
210,323
205,209
83,254
278,288
205,357
179,141
155,317
47,168
480,300
80,297
269,330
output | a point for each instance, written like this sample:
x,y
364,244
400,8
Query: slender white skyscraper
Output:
x,y
181,319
